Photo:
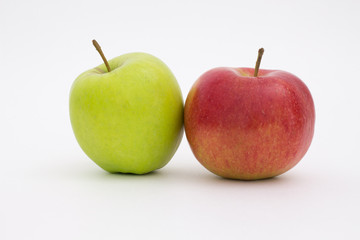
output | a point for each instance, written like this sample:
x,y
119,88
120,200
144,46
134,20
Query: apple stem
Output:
x,y
258,61
98,48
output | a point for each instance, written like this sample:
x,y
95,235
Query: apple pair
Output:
x,y
127,115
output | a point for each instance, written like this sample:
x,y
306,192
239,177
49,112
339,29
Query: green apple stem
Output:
x,y
258,61
98,48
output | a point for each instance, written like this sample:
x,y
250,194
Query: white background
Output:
x,y
49,189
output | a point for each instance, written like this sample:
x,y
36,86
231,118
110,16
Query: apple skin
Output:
x,y
128,120
244,127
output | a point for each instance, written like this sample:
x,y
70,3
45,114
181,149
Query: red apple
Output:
x,y
246,123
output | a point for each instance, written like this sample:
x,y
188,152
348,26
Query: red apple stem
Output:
x,y
258,61
98,48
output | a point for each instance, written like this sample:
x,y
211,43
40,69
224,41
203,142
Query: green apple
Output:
x,y
128,119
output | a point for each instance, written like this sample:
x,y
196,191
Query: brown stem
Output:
x,y
258,61
98,48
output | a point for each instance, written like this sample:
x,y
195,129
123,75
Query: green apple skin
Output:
x,y
128,120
